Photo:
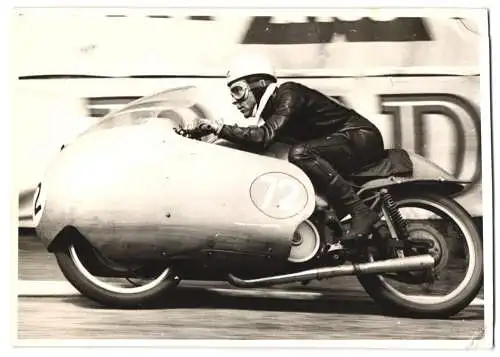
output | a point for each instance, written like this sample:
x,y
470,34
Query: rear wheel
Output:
x,y
120,286
455,244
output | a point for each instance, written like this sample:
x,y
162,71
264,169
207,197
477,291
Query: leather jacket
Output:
x,y
294,114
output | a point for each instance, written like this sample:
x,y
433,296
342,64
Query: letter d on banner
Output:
x,y
444,128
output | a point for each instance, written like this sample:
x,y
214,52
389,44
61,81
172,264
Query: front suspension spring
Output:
x,y
399,223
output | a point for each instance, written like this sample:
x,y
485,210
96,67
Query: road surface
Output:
x,y
337,309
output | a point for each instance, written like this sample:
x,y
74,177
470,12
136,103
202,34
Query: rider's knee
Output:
x,y
299,153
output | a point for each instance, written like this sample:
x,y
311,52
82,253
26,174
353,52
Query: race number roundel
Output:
x,y
278,195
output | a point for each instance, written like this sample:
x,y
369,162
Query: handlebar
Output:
x,y
196,133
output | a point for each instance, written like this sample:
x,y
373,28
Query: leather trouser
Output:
x,y
337,154
326,161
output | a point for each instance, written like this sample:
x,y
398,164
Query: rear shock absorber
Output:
x,y
399,224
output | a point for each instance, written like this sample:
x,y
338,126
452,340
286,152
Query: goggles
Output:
x,y
239,91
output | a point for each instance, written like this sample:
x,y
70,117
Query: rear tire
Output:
x,y
77,274
394,303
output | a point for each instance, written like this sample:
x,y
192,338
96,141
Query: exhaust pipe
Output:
x,y
418,262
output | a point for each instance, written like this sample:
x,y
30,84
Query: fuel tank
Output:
x,y
144,192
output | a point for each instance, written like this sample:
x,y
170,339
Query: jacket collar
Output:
x,y
263,101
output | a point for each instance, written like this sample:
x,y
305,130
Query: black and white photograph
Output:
x,y
265,176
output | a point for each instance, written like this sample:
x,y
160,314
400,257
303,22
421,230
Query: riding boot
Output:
x,y
363,217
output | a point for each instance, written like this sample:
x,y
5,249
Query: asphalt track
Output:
x,y
337,309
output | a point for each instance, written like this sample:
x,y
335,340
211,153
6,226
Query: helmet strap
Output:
x,y
258,87
261,83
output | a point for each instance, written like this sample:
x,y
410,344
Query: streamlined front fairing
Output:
x,y
137,190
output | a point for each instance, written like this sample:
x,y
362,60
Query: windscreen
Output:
x,y
184,106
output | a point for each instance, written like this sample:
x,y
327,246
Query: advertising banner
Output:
x,y
346,43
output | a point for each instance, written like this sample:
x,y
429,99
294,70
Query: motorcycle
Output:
x,y
142,200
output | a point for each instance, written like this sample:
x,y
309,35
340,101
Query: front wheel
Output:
x,y
455,243
119,286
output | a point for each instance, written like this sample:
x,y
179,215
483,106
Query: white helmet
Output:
x,y
248,65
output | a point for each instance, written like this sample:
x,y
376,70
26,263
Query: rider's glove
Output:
x,y
210,126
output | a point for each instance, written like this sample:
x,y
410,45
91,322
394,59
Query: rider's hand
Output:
x,y
210,126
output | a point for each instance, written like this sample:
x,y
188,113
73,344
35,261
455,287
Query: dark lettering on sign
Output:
x,y
449,106
202,18
101,106
194,18
159,16
172,115
263,31
199,111
421,129
397,126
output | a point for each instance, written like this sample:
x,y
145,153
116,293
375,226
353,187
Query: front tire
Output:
x,y
395,302
71,256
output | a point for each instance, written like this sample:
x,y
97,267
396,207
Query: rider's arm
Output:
x,y
288,102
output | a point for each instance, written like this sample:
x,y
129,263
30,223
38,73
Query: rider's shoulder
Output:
x,y
291,88
291,85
